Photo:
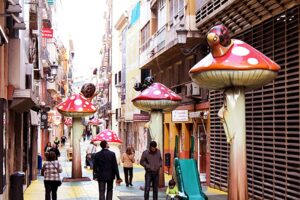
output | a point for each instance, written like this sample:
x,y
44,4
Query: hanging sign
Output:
x,y
47,33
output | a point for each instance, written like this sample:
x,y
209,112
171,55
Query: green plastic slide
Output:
x,y
188,179
187,175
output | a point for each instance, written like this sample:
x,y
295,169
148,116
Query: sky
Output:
x,y
83,22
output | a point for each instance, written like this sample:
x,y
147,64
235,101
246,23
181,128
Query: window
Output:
x,y
116,78
162,14
119,78
176,8
145,37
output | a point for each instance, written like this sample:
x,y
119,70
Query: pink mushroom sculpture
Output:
x,y
94,123
76,106
110,136
233,67
113,140
157,98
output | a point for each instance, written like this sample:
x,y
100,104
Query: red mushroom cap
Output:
x,y
76,106
68,121
241,66
94,121
108,135
157,97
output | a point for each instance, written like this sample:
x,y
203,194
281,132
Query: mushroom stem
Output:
x,y
156,128
235,125
156,132
76,160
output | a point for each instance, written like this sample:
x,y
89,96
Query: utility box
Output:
x,y
16,186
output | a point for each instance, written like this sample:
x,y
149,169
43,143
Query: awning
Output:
x,y
23,100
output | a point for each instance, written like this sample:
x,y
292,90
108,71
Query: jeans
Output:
x,y
128,170
151,177
51,190
109,190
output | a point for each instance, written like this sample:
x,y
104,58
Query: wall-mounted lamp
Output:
x,y
182,40
52,73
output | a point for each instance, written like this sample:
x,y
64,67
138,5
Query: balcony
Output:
x,y
238,15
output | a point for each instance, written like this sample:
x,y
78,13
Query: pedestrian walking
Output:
x,y
90,151
55,150
128,160
105,171
56,141
63,140
47,147
151,160
51,169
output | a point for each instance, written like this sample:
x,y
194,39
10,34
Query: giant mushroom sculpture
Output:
x,y
113,140
94,123
76,106
156,99
233,67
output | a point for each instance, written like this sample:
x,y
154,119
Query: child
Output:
x,y
172,190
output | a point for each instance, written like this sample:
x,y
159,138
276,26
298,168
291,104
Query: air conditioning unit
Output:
x,y
192,89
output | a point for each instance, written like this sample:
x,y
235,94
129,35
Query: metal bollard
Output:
x,y
16,186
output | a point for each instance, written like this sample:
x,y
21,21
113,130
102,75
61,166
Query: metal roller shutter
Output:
x,y
272,117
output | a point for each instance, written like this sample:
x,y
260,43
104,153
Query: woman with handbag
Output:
x,y
128,160
51,169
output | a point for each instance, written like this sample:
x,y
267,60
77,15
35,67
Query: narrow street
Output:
x,y
88,190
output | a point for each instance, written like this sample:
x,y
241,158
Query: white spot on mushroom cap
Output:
x,y
72,97
166,95
208,60
252,61
240,51
238,42
80,109
101,134
60,107
162,88
157,92
77,102
108,133
87,103
226,61
93,107
145,92
173,94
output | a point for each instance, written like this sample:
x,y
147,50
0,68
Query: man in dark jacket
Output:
x,y
105,170
151,160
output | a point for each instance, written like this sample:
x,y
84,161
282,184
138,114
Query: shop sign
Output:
x,y
195,114
47,33
141,117
44,120
180,115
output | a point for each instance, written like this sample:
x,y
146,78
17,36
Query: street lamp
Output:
x,y
182,40
52,73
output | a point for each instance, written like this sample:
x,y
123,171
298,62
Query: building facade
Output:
x,y
272,112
